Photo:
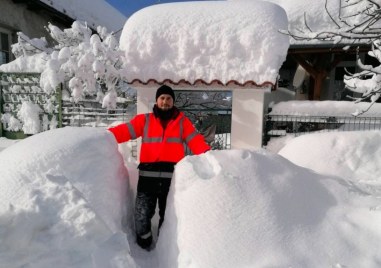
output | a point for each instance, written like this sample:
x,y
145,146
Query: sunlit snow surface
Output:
x,y
207,40
256,209
64,195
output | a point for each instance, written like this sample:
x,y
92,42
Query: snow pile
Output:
x,y
255,209
5,143
351,155
63,195
208,40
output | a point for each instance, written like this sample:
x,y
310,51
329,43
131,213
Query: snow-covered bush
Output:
x,y
89,63
29,115
86,62
11,123
28,47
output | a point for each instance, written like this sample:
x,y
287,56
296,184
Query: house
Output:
x,y
205,46
314,70
32,16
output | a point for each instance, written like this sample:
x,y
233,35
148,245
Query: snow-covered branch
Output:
x,y
88,63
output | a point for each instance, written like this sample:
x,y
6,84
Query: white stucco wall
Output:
x,y
247,118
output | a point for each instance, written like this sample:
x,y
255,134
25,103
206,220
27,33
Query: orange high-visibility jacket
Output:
x,y
159,145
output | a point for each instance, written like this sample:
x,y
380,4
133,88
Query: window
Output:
x,y
4,47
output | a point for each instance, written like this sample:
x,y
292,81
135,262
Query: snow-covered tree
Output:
x,y
89,63
357,21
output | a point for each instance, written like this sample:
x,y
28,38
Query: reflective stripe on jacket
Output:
x,y
159,145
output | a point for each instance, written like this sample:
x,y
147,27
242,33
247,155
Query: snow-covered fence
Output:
x,y
77,115
25,108
300,117
89,112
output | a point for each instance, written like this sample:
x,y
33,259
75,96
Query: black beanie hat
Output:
x,y
165,90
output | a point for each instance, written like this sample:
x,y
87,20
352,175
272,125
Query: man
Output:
x,y
163,132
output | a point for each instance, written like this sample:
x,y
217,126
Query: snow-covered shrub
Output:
x,y
86,63
29,114
10,122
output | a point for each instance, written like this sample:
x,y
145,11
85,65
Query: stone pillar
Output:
x,y
247,118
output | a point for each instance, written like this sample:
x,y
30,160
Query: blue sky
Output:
x,y
127,7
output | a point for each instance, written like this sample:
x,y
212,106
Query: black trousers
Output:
x,y
151,191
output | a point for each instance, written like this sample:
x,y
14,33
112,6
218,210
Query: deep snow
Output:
x,y
207,40
66,195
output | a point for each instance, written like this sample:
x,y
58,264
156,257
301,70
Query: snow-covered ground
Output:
x,y
66,195
4,143
66,198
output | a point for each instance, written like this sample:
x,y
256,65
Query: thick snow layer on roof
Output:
x,y
209,40
94,12
314,10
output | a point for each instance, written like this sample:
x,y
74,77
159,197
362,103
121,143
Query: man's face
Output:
x,y
164,102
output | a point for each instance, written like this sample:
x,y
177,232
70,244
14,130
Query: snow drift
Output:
x,y
352,155
255,209
64,195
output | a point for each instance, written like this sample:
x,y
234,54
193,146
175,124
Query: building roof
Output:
x,y
94,12
207,42
321,15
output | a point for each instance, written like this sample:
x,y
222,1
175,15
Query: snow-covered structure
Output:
x,y
40,25
209,45
314,69
32,16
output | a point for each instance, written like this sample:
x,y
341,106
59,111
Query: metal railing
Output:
x,y
94,117
209,111
16,88
281,125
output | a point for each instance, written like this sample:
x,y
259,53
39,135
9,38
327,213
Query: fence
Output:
x,y
17,88
210,111
281,125
89,113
